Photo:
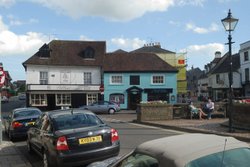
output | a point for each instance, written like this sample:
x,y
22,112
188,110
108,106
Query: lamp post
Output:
x,y
229,24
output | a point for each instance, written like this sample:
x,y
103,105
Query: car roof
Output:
x,y
177,151
26,108
63,111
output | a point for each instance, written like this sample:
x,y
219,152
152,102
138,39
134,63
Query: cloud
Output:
x,y
11,43
200,30
190,2
6,3
109,9
127,44
200,55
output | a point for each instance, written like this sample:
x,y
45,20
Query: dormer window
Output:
x,y
44,51
88,53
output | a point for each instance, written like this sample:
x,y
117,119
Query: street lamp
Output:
x,y
229,24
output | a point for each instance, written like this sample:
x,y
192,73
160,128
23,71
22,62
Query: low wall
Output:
x,y
152,112
241,116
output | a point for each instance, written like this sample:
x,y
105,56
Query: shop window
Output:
x,y
63,99
91,98
38,100
117,98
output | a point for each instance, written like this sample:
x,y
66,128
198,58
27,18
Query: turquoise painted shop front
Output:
x,y
142,88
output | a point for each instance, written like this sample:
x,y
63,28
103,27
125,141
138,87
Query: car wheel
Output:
x,y
10,136
46,160
111,111
29,147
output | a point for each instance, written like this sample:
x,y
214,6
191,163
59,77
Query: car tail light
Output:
x,y
114,135
16,124
61,144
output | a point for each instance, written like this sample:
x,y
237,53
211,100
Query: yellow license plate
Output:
x,y
30,123
93,139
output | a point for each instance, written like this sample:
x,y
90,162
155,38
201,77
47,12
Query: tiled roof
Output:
x,y
223,65
135,62
68,53
151,49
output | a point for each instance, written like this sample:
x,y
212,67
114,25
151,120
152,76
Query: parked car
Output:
x,y
102,107
19,121
72,137
4,99
22,97
186,150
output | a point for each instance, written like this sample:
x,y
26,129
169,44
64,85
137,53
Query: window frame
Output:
x,y
246,56
116,81
91,99
247,76
65,99
154,79
43,78
87,78
134,79
42,100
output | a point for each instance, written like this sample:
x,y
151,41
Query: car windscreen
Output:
x,y
26,113
76,120
239,157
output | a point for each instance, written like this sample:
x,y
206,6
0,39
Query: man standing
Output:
x,y
209,108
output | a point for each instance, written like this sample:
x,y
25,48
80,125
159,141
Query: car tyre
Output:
x,y
29,147
46,160
111,111
10,136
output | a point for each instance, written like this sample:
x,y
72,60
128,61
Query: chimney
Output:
x,y
217,54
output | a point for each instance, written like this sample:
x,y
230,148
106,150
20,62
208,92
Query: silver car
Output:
x,y
102,107
186,150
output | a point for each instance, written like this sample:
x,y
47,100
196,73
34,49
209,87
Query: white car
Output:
x,y
186,150
4,99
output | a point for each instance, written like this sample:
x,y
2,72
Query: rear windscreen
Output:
x,y
26,113
76,120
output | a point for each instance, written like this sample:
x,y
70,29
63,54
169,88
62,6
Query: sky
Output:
x,y
190,26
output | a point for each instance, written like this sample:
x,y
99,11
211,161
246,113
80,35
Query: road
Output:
x,y
130,134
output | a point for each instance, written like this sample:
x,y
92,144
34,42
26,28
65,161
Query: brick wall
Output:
x,y
241,116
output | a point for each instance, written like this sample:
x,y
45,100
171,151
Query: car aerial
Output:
x,y
4,99
186,150
102,107
72,137
19,121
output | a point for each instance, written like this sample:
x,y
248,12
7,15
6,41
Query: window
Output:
x,y
63,99
217,79
246,58
117,98
116,79
158,79
87,78
38,100
134,80
140,160
43,77
91,98
247,74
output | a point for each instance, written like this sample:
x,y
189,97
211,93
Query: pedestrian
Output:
x,y
209,108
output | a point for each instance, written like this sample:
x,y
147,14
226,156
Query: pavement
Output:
x,y
10,156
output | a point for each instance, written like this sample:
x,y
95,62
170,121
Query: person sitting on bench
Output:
x,y
196,111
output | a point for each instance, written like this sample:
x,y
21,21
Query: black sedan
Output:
x,y
72,137
19,121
